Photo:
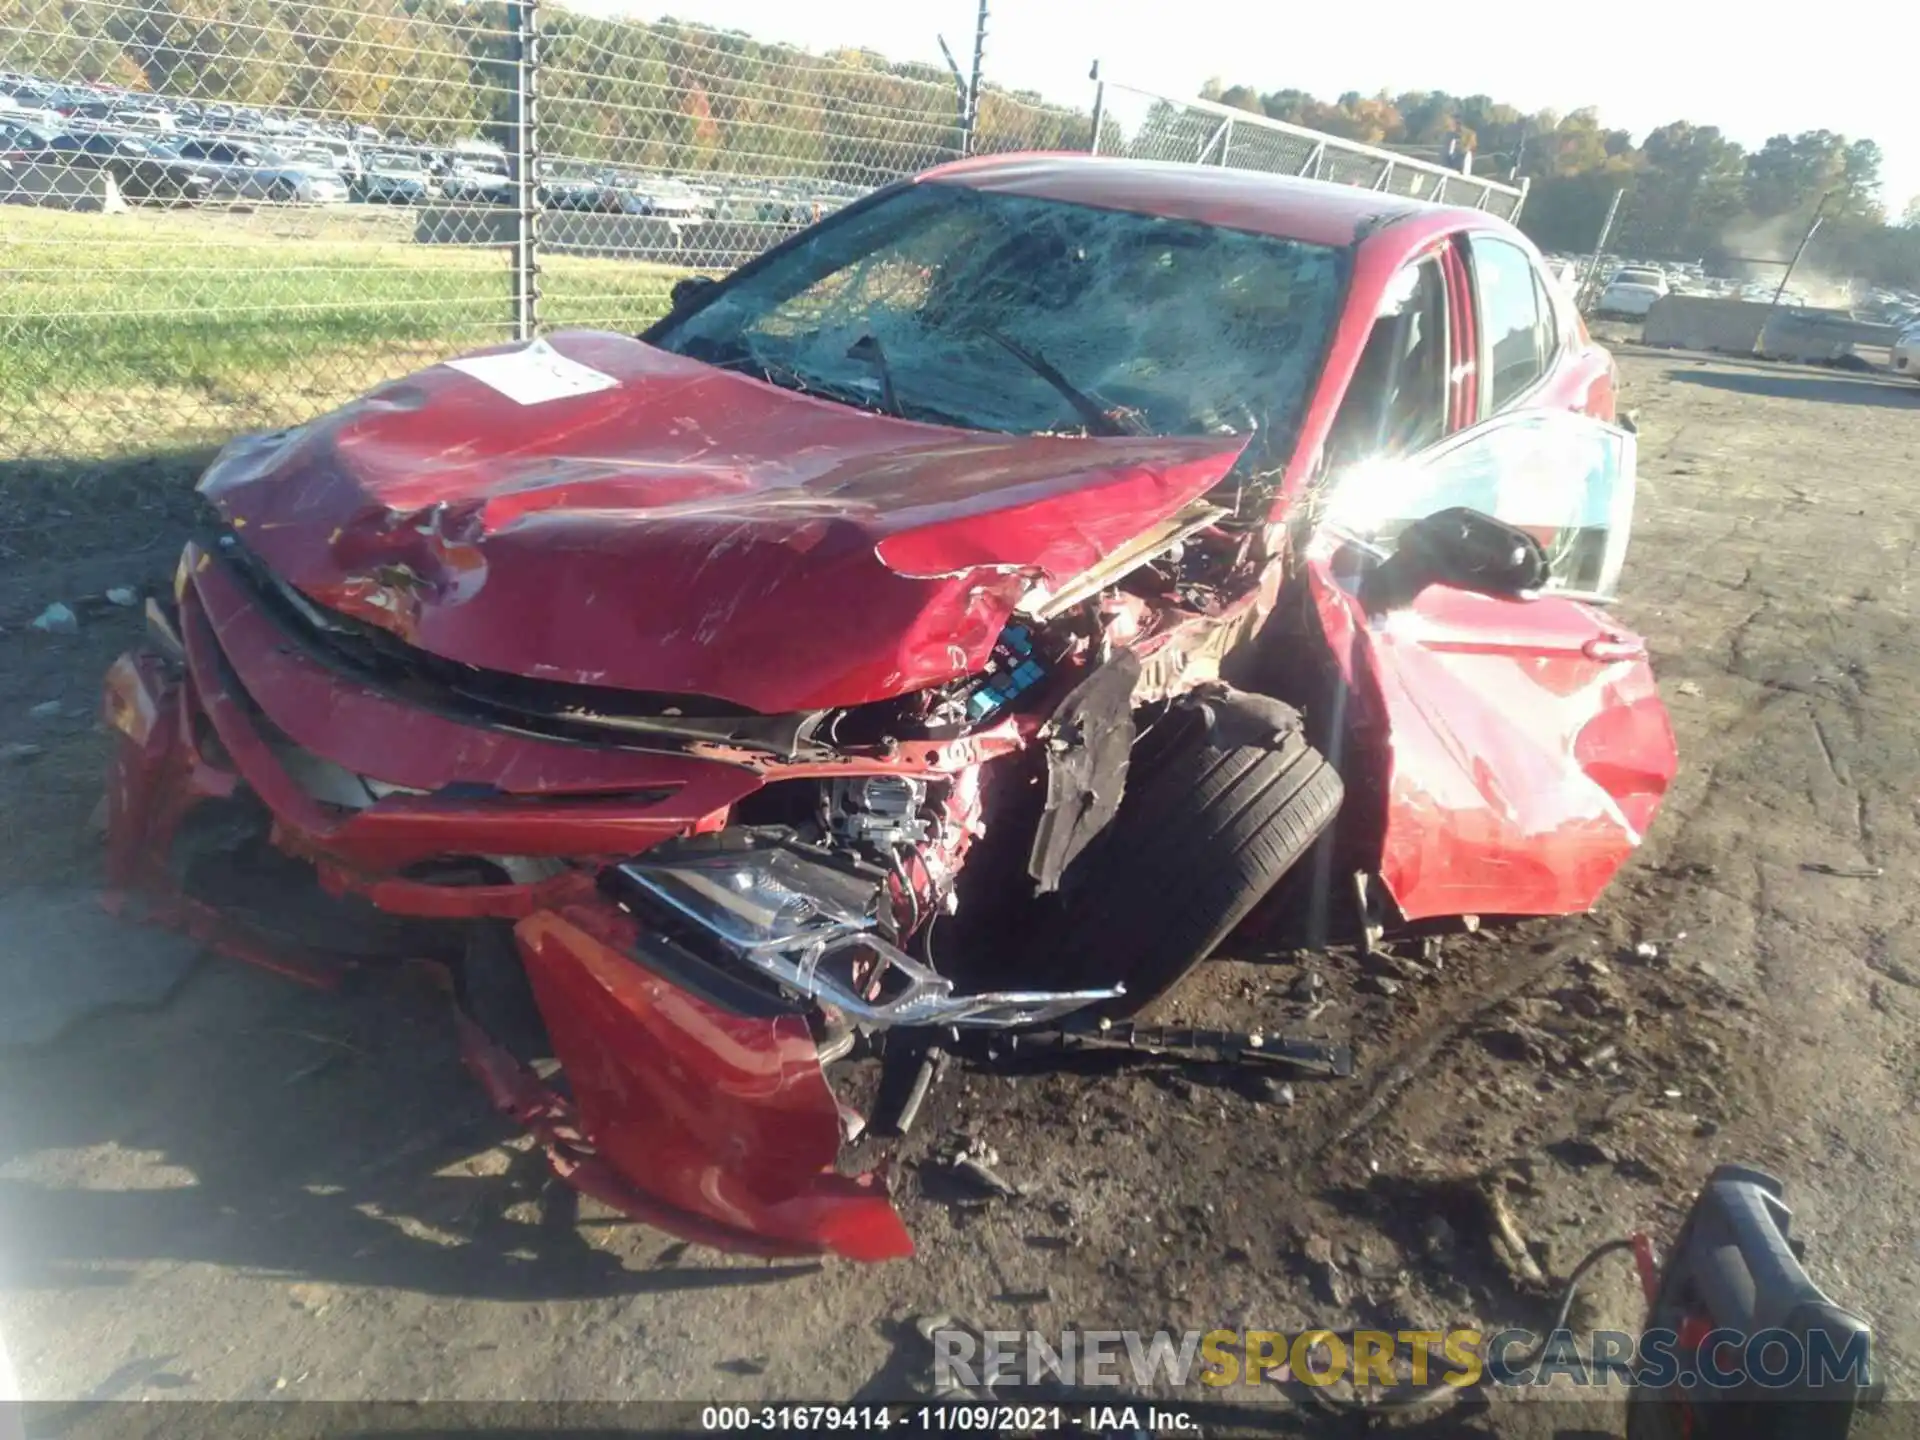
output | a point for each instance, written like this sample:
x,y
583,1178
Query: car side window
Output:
x,y
1396,403
1566,479
1549,319
1513,320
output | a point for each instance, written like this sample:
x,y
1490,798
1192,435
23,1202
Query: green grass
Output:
x,y
157,331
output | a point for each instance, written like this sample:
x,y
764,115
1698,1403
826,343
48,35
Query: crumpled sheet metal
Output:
x,y
690,530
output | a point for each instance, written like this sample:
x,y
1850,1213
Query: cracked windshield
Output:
x,y
999,312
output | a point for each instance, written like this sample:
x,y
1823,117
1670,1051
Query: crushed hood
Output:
x,y
653,523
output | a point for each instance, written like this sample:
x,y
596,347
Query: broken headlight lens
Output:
x,y
810,925
762,899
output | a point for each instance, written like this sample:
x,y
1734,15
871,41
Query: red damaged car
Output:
x,y
959,617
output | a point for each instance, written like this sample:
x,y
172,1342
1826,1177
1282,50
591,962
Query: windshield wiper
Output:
x,y
868,348
1099,420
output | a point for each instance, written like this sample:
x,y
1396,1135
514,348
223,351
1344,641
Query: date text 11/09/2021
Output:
x,y
954,1418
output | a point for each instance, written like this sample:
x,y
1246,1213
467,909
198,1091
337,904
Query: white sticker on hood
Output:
x,y
534,374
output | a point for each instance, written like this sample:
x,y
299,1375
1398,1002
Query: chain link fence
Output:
x,y
1149,126
1009,122
667,148
223,215
227,215
208,229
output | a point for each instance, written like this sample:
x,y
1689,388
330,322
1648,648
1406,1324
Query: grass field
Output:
x,y
157,332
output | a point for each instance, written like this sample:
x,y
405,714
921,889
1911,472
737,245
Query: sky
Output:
x,y
1842,68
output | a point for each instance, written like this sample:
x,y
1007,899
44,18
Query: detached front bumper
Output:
x,y
696,1107
712,1124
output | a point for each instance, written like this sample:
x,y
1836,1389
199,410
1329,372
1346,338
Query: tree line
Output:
x,y
681,97
1690,192
667,95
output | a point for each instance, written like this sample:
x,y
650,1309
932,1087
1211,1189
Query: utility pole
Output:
x,y
1805,240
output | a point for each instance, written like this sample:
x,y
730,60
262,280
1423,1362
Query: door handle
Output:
x,y
1613,647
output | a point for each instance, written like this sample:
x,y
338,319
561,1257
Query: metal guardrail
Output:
x,y
1150,126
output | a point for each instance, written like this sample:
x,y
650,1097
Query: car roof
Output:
x,y
1316,211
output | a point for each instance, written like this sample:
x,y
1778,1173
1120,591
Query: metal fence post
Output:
x,y
1099,108
971,119
960,90
523,18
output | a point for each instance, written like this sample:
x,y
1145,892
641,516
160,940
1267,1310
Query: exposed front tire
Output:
x,y
1205,830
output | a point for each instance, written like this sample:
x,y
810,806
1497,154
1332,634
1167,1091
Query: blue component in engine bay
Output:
x,y
1012,670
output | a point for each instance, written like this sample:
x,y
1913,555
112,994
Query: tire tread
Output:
x,y
1194,847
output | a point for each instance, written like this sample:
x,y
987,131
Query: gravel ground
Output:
x,y
251,1191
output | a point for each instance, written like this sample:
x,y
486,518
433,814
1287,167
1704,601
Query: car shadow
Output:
x,y
1835,389
331,1139
120,509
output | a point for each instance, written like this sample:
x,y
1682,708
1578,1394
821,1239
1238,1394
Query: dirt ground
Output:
x,y
254,1191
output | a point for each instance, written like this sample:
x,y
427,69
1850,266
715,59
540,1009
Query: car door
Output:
x,y
1517,747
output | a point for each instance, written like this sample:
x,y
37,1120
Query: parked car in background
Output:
x,y
28,94
295,176
1769,292
248,170
672,691
392,177
666,198
1632,293
342,156
109,114
476,174
143,169
1906,351
598,194
222,154
48,122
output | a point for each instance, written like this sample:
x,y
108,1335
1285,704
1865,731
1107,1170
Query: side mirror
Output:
x,y
688,291
1461,547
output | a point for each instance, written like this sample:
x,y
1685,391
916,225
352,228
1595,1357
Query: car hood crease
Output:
x,y
688,530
